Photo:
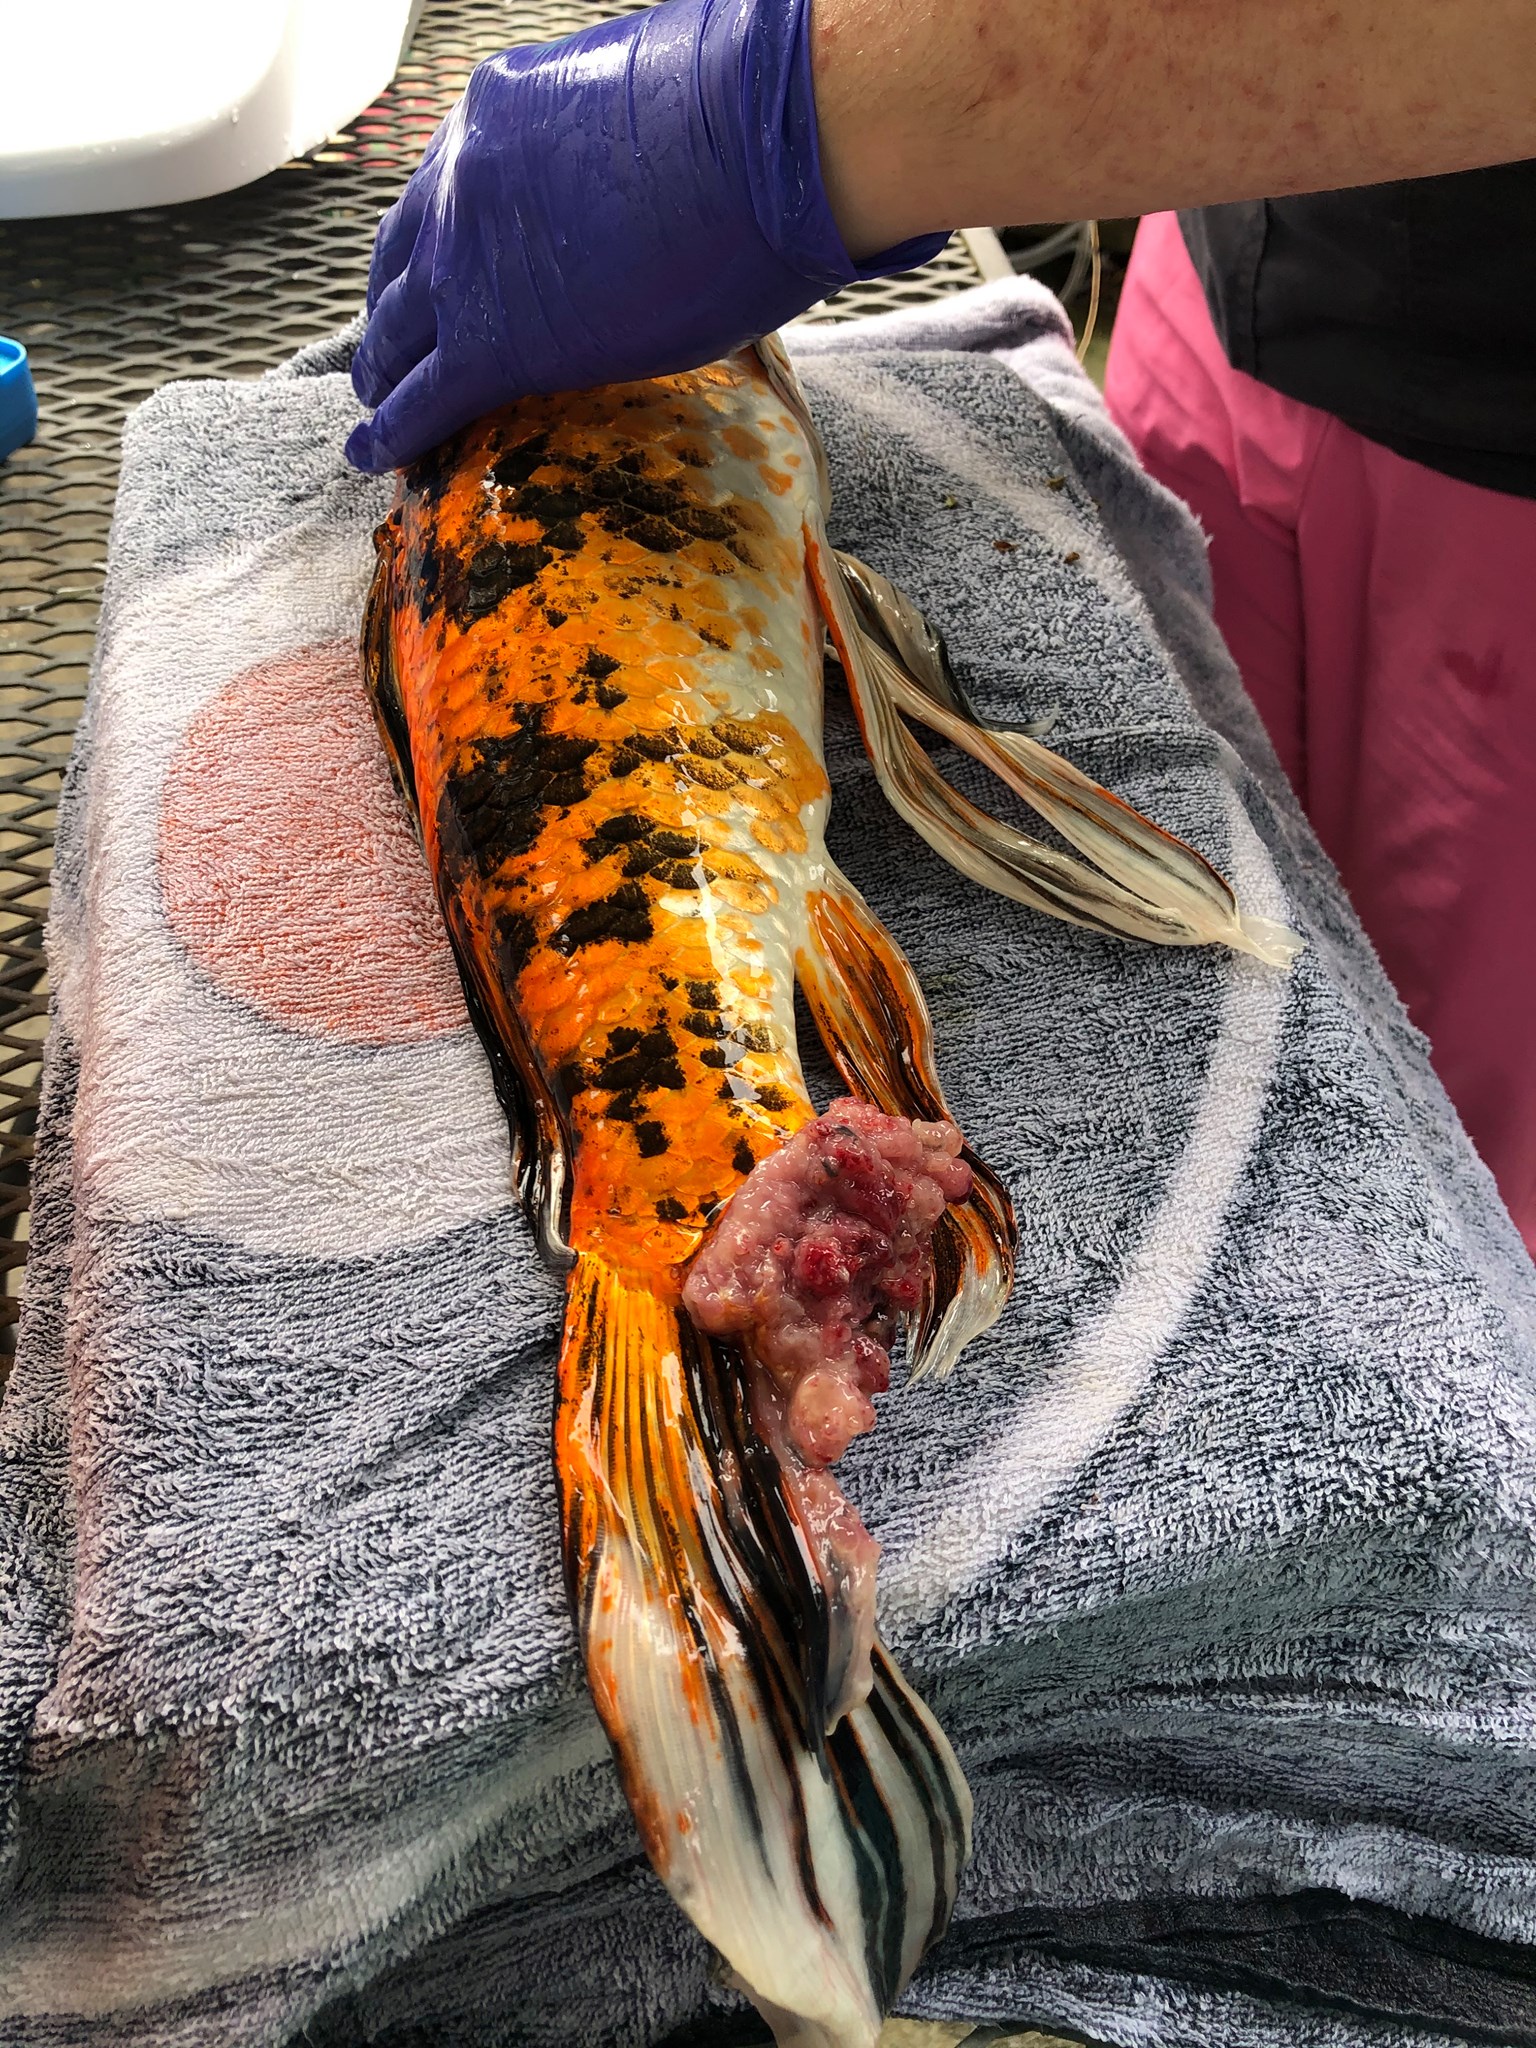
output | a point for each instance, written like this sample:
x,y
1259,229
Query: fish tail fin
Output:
x,y
870,1013
819,1864
1134,879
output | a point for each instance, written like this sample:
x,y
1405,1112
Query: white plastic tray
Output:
x,y
107,105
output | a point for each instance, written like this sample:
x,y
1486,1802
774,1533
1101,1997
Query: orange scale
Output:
x,y
609,800
712,803
779,834
743,443
705,559
751,898
621,640
643,712
755,519
659,1248
619,553
760,799
672,637
516,528
681,676
753,983
688,954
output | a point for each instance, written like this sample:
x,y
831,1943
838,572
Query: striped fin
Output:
x,y
1142,883
820,1865
1136,880
540,1140
1148,869
871,1017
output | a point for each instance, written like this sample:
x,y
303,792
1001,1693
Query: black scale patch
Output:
x,y
503,792
675,859
636,1065
624,915
618,497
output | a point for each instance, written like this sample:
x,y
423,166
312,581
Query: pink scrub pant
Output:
x,y
1384,620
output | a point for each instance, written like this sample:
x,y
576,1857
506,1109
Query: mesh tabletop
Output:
x,y
110,306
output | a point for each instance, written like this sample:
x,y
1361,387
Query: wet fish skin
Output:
x,y
596,657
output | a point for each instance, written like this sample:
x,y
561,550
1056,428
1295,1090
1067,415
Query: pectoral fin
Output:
x,y
1142,882
1135,879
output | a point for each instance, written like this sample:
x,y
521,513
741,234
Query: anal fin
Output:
x,y
871,1016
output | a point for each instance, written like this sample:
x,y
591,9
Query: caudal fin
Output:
x,y
820,1865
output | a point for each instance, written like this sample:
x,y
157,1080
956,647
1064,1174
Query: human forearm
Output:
x,y
937,112
645,195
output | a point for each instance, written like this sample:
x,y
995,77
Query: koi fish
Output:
x,y
595,648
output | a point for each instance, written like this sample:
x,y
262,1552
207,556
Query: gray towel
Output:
x,y
1214,1558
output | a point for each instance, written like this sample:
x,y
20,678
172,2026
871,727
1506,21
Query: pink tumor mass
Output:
x,y
823,1247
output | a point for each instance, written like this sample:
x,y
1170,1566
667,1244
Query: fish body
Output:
x,y
595,646
612,686
597,659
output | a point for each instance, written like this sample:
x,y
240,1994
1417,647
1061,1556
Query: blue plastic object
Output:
x,y
18,401
640,198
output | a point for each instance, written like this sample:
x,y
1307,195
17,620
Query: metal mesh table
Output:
x,y
110,306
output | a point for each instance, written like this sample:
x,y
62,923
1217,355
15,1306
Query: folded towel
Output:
x,y
1214,1558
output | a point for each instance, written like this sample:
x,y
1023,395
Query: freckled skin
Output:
x,y
933,111
577,577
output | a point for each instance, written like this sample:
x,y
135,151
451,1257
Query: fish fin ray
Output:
x,y
870,1013
541,1146
1135,879
820,1865
379,675
773,358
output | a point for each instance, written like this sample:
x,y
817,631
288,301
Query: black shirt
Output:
x,y
1408,311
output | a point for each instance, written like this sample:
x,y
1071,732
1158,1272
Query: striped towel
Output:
x,y
1215,1558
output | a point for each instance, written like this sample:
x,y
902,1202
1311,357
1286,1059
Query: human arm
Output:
x,y
659,189
641,198
935,112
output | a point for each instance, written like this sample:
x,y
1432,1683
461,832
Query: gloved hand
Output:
x,y
641,198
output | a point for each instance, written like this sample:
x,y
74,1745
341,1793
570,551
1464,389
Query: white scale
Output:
x,y
111,104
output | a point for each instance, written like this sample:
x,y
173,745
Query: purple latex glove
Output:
x,y
639,199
